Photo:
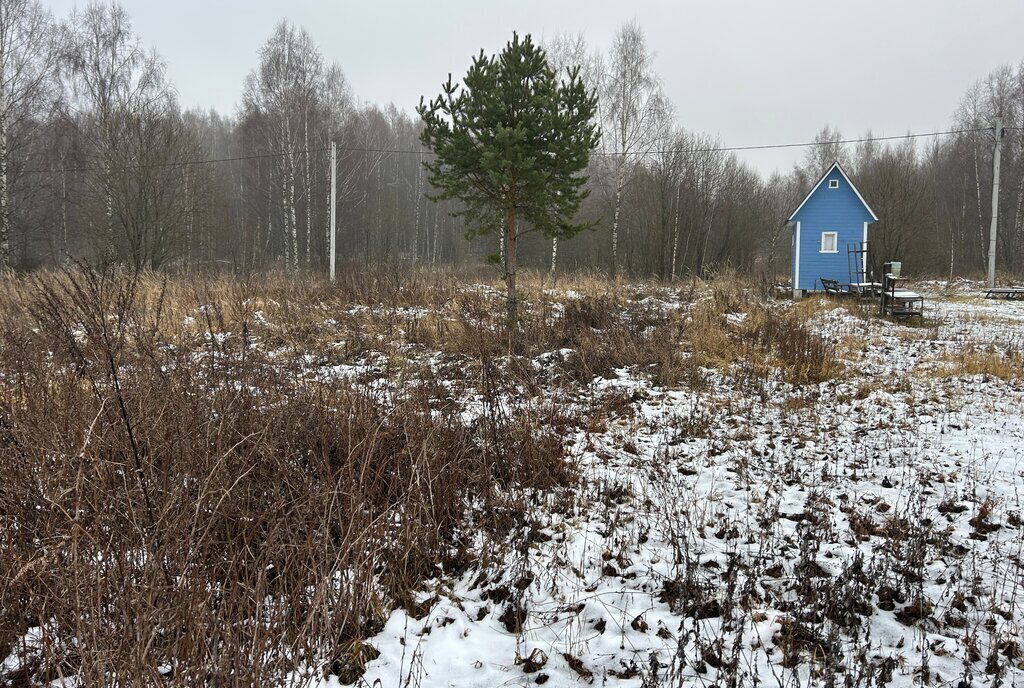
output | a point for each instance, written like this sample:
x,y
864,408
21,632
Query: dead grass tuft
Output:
x,y
989,362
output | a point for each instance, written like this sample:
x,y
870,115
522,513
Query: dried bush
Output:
x,y
184,505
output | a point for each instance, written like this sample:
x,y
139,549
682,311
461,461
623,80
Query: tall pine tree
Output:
x,y
513,143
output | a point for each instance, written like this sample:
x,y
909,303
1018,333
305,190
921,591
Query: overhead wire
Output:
x,y
407,151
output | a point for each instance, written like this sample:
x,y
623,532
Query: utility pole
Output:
x,y
334,205
995,206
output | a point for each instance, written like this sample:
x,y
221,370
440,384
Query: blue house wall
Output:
x,y
839,210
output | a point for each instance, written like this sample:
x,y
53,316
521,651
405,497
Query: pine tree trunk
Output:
x,y
437,222
510,266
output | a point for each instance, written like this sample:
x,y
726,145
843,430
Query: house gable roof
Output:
x,y
835,166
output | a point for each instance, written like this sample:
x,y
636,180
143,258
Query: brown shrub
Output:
x,y
181,505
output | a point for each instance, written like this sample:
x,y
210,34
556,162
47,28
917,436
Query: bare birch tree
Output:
x,y
567,51
634,107
28,57
277,97
126,115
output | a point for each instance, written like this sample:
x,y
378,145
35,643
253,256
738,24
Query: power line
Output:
x,y
177,163
404,151
724,149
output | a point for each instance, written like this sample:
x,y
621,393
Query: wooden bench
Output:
x,y
832,287
1005,293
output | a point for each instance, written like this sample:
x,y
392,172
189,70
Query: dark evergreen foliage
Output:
x,y
513,144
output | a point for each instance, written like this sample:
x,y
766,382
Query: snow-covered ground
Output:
x,y
863,531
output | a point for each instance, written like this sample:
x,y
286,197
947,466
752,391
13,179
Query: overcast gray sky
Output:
x,y
751,72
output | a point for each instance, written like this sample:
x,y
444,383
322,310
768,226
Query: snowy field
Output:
x,y
795,494
863,531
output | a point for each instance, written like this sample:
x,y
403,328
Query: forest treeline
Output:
x,y
100,161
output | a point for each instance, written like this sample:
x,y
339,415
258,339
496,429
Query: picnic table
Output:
x,y
1005,293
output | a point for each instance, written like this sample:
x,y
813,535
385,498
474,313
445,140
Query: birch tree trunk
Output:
x,y
110,221
331,174
5,219
288,191
416,199
615,218
64,215
188,232
292,219
1016,223
309,187
981,219
28,56
675,233
270,214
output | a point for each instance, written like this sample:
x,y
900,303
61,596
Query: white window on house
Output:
x,y
833,183
830,242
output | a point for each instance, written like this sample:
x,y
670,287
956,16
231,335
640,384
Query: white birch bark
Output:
x,y
675,232
417,196
5,221
309,187
615,219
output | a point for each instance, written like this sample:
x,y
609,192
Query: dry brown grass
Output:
x,y
183,506
988,361
765,339
188,499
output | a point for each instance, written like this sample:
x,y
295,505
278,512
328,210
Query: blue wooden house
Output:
x,y
830,234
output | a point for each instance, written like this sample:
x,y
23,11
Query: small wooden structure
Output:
x,y
1005,293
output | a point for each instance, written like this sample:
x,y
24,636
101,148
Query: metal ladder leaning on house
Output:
x,y
856,263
